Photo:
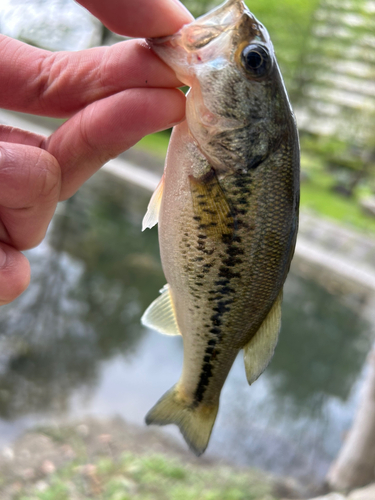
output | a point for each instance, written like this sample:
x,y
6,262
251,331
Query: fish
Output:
x,y
227,212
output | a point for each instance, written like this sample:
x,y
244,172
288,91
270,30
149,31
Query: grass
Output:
x,y
290,26
317,195
150,477
115,471
157,144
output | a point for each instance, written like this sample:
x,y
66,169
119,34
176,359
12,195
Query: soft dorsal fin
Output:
x,y
259,351
160,314
211,207
152,215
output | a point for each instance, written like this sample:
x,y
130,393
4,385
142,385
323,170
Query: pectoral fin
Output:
x,y
160,314
211,207
259,351
152,215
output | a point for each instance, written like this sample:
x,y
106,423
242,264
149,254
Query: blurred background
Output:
x,y
73,354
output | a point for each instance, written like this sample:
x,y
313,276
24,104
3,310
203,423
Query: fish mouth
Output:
x,y
200,32
204,40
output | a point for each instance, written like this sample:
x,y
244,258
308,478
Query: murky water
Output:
x,y
73,344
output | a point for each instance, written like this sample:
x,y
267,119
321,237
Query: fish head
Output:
x,y
237,107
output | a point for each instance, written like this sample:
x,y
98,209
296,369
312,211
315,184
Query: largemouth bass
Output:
x,y
227,208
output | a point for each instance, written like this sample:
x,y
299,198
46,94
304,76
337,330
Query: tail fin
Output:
x,y
195,424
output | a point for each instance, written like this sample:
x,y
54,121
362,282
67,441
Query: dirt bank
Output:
x,y
110,459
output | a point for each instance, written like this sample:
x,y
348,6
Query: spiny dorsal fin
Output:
x,y
152,215
160,314
259,351
211,208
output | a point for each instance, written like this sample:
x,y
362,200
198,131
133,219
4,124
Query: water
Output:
x,y
73,344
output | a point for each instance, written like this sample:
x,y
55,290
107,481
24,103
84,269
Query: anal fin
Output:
x,y
160,314
259,350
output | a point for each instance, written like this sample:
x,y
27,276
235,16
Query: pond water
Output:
x,y
73,344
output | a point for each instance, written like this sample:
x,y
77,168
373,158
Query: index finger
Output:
x,y
59,84
140,18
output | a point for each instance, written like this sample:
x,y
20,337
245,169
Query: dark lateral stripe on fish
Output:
x,y
223,303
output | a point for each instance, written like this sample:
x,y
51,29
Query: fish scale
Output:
x,y
228,214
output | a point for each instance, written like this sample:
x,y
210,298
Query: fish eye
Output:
x,y
256,60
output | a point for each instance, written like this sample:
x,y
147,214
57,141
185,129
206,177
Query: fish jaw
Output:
x,y
208,55
206,42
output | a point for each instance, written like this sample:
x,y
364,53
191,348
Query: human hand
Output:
x,y
113,96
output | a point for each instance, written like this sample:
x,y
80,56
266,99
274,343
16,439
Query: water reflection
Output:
x,y
293,419
76,332
89,286
321,348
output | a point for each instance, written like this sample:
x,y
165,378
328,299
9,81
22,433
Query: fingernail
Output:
x,y
3,257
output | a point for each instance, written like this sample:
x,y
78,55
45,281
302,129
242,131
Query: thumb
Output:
x,y
14,273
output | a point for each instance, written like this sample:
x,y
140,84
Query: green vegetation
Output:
x,y
288,22
317,194
200,7
340,169
131,476
152,477
157,144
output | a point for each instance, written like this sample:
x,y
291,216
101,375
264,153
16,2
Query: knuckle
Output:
x,y
44,83
84,129
47,176
27,174
97,154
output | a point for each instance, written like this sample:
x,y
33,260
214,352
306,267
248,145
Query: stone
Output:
x,y
68,452
366,493
41,486
50,24
48,467
88,470
28,474
368,205
8,453
331,496
105,438
83,430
